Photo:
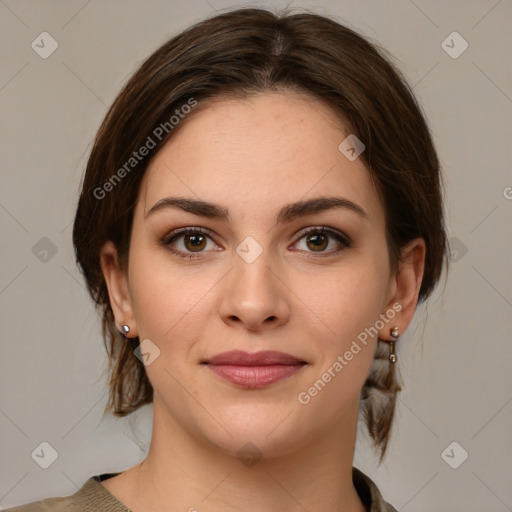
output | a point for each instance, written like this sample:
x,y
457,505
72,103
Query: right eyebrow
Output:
x,y
286,214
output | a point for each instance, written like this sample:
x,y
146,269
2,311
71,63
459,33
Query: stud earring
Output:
x,y
126,330
395,335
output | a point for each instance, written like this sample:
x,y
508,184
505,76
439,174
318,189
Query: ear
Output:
x,y
118,290
405,287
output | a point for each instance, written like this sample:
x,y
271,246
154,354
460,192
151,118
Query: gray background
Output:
x,y
455,358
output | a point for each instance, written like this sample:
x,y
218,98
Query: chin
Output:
x,y
259,432
255,445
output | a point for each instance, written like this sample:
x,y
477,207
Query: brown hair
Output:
x,y
243,52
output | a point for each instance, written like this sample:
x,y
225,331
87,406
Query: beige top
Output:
x,y
94,497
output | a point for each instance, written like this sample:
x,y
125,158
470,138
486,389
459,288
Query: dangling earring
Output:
x,y
126,330
395,335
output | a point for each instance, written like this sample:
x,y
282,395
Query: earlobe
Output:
x,y
407,283
117,285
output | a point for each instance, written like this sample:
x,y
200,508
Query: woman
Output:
x,y
260,216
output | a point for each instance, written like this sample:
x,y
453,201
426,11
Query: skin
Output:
x,y
253,156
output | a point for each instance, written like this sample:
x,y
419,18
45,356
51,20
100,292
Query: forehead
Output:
x,y
265,150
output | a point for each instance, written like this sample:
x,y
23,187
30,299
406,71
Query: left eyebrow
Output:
x,y
317,205
287,213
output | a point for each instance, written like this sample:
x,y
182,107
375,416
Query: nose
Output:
x,y
254,297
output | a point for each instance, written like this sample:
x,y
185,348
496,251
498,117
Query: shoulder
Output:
x,y
91,497
47,505
369,493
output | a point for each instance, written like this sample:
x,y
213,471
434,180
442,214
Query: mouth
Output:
x,y
254,371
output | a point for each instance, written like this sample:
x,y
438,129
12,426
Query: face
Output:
x,y
303,282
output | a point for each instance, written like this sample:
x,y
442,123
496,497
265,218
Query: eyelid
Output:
x,y
174,234
324,229
178,232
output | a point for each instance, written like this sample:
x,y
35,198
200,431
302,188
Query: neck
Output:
x,y
183,472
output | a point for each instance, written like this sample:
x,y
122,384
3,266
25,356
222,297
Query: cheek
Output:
x,y
345,357
170,309
165,301
349,303
345,301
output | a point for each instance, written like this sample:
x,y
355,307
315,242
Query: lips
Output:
x,y
254,371
241,358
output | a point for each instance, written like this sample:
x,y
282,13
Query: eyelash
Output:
x,y
176,234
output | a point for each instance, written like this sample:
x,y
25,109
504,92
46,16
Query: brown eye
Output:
x,y
191,242
317,242
194,242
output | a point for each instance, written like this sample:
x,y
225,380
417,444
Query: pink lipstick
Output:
x,y
254,371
